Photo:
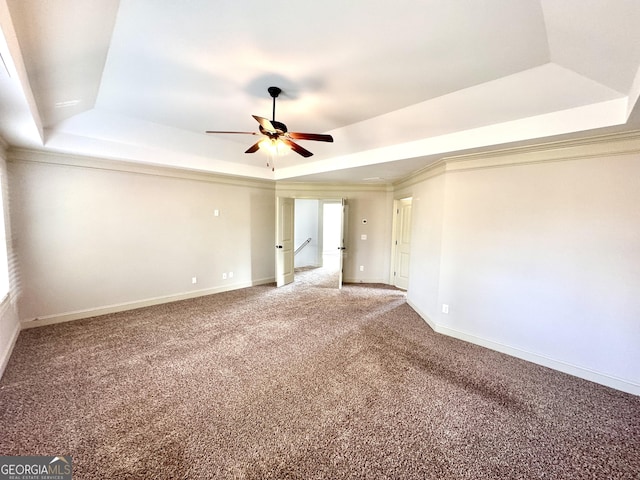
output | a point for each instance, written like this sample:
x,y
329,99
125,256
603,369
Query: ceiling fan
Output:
x,y
277,133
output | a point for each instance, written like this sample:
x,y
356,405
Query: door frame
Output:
x,y
394,236
321,201
344,232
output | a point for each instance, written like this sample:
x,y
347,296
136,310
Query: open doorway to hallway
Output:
x,y
332,228
318,228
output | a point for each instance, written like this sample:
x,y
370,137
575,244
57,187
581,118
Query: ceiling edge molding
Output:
x,y
430,171
558,151
589,147
327,190
23,155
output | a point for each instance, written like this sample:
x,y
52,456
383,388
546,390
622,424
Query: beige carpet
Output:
x,y
327,276
302,382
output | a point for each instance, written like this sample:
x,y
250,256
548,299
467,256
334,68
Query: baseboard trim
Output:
x,y
5,355
121,307
575,370
365,280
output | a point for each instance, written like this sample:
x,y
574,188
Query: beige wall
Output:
x,y
94,236
426,241
90,239
536,258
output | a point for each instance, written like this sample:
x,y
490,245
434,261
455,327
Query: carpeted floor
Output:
x,y
302,382
327,276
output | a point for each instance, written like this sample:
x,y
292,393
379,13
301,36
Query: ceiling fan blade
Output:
x,y
311,136
295,147
265,123
223,131
254,148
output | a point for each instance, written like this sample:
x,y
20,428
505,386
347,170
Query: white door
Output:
x,y
402,243
284,240
343,237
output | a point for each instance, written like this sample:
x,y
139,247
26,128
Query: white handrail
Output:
x,y
304,244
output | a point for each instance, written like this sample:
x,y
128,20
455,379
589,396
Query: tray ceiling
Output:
x,y
398,86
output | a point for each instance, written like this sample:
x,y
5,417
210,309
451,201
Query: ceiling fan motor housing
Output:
x,y
279,126
281,129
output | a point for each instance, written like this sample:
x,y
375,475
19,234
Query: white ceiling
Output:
x,y
398,85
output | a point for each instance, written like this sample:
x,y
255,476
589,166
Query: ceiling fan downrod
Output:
x,y
274,92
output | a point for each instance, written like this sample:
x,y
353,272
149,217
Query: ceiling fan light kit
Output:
x,y
277,134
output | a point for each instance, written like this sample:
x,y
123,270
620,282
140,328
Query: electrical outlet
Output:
x,y
362,268
194,280
224,276
445,308
230,274
363,236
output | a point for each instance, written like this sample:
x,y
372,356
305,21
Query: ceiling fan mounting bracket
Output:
x,y
274,91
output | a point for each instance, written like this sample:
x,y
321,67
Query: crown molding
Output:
x,y
564,150
430,171
21,155
326,189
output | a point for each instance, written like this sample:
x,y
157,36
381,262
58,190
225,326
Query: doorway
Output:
x,y
317,240
331,236
401,242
